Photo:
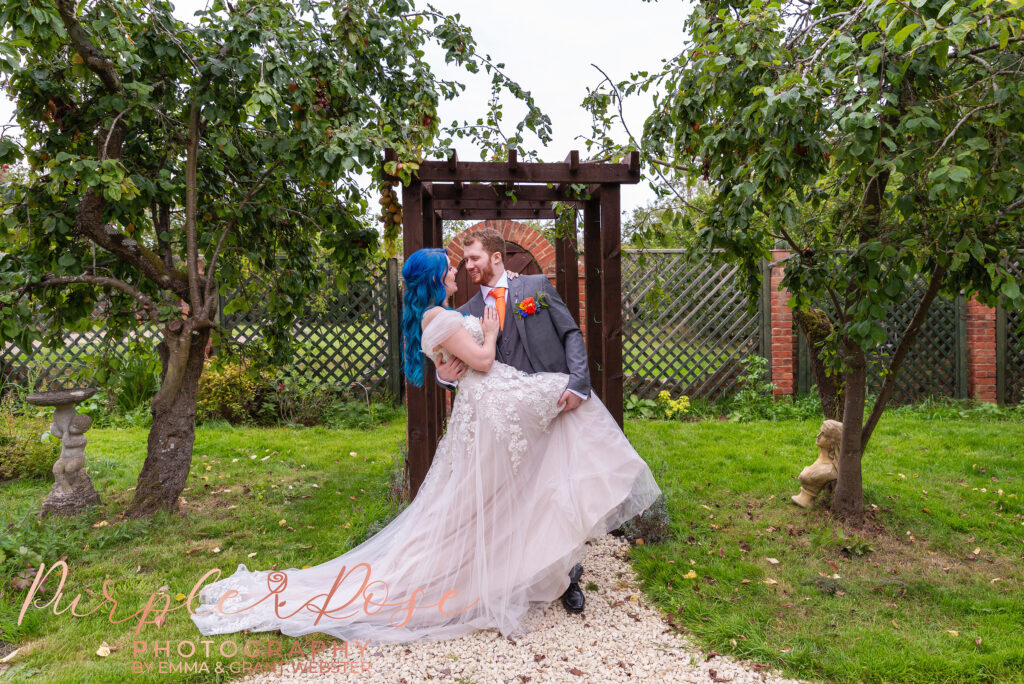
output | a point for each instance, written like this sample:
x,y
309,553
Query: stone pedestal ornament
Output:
x,y
72,488
825,469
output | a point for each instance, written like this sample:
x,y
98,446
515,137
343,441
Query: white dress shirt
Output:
x,y
485,291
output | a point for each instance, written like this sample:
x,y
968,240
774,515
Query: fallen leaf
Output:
x,y
977,641
952,632
895,624
690,575
773,561
104,650
282,522
977,550
252,554
101,523
769,580
216,549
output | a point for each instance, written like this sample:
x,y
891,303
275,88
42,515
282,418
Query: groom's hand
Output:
x,y
451,370
570,401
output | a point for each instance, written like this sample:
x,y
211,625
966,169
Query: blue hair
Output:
x,y
424,273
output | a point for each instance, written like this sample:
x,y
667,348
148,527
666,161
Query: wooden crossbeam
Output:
x,y
528,172
493,204
477,191
491,213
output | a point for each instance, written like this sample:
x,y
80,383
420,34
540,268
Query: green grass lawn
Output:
x,y
263,497
910,603
929,590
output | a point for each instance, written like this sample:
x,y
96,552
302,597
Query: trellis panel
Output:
x,y
686,327
1010,349
345,340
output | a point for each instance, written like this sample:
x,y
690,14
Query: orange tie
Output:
x,y
499,301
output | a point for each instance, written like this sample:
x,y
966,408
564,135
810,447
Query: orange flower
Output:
x,y
528,305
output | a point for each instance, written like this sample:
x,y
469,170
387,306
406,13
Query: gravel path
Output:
x,y
619,638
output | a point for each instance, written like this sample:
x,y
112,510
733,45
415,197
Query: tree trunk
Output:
x,y
848,498
816,328
169,450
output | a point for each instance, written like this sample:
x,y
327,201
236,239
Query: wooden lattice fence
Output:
x,y
348,340
686,327
1010,350
345,340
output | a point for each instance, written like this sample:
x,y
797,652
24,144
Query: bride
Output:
x,y
514,492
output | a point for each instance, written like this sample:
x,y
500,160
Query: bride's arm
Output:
x,y
462,345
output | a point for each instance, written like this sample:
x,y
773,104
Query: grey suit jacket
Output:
x,y
551,340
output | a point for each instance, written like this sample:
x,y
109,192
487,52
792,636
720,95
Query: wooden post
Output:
x,y
433,432
395,383
593,289
420,447
567,271
611,300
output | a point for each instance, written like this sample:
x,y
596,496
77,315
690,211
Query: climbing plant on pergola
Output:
x,y
456,190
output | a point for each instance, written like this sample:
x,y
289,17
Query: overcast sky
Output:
x,y
548,46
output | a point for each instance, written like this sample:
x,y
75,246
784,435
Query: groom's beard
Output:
x,y
488,276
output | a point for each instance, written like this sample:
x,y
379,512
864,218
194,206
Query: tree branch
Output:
x,y
257,186
93,58
191,202
53,281
906,341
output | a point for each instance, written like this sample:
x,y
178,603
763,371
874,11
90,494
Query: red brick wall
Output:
x,y
981,351
783,332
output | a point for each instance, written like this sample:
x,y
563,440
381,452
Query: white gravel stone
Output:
x,y
616,639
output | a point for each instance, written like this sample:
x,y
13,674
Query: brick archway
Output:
x,y
525,236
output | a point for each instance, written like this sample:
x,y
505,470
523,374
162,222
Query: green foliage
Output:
x,y
229,391
26,447
242,388
635,407
755,399
877,141
279,108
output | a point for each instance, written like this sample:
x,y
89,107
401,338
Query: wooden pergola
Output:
x,y
458,190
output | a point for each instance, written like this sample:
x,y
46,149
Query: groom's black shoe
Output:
x,y
573,599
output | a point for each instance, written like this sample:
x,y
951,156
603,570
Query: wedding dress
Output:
x,y
514,492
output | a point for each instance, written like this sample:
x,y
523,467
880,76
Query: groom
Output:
x,y
547,341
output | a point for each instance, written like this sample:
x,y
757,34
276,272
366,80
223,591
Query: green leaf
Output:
x,y
868,39
1010,289
902,34
959,174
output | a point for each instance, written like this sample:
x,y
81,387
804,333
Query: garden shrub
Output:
x,y
232,390
24,450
